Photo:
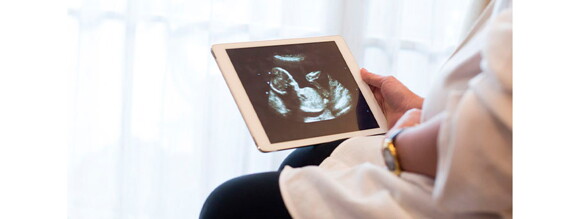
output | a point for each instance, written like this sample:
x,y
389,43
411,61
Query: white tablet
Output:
x,y
299,92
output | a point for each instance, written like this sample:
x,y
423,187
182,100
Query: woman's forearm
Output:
x,y
417,147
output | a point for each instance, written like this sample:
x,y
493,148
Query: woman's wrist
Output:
x,y
402,149
417,103
417,149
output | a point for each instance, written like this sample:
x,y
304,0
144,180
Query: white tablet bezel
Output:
x,y
249,114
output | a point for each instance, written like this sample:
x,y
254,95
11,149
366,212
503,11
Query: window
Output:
x,y
155,127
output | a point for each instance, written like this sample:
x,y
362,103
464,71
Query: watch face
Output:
x,y
389,159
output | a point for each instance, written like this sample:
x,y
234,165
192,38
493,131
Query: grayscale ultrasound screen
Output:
x,y
302,90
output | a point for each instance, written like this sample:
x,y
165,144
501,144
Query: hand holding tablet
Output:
x,y
299,92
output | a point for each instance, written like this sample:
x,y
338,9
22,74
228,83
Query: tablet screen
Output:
x,y
302,90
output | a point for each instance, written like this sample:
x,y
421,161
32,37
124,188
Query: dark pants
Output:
x,y
258,195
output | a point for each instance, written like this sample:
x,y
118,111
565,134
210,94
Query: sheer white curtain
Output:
x,y
155,128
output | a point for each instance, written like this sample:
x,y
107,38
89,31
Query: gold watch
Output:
x,y
390,153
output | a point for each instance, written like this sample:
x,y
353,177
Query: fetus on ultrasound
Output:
x,y
307,95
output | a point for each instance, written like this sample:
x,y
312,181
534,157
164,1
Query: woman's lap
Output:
x,y
258,195
311,155
250,196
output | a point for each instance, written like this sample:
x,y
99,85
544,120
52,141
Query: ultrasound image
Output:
x,y
301,90
320,98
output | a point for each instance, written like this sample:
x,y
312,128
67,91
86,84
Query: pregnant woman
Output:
x,y
454,147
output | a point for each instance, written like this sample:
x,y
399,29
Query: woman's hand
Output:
x,y
393,97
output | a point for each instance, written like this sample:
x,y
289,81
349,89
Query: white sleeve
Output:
x,y
474,172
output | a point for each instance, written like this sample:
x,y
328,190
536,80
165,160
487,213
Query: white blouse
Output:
x,y
474,170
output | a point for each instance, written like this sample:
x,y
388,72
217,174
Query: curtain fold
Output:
x,y
155,127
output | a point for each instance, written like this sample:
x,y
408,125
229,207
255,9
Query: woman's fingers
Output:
x,y
372,79
380,81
